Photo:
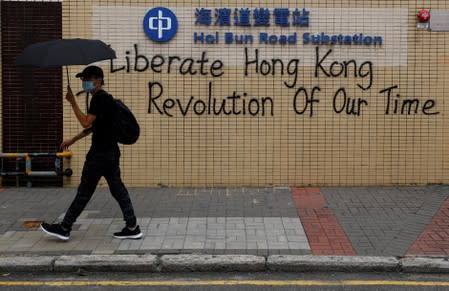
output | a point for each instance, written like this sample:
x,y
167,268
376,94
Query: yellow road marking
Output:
x,y
227,283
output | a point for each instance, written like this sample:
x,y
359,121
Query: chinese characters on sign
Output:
x,y
261,18
248,17
256,17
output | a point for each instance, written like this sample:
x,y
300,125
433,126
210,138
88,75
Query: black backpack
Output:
x,y
125,128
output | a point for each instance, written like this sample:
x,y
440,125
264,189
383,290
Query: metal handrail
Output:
x,y
27,157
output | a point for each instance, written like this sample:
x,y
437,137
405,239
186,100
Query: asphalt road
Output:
x,y
222,282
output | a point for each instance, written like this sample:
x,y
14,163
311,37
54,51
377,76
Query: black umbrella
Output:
x,y
63,52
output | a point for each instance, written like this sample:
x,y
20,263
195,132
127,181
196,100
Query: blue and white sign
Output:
x,y
160,24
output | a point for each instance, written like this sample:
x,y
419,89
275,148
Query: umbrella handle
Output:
x,y
67,71
87,102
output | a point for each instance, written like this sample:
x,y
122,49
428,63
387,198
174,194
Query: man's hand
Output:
x,y
69,96
85,120
66,144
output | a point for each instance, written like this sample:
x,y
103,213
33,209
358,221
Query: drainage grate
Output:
x,y
32,223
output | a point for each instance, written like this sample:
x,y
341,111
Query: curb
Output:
x,y
332,263
27,264
425,265
221,263
211,263
103,263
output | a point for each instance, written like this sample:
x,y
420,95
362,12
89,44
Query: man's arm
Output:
x,y
85,120
66,144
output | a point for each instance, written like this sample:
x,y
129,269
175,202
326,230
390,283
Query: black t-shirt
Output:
x,y
102,106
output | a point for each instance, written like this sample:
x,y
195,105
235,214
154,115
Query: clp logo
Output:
x,y
160,24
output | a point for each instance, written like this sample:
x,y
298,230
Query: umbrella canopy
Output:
x,y
62,52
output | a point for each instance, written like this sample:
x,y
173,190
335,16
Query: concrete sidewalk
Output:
x,y
274,227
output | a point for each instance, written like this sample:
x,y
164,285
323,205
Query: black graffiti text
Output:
x,y
343,103
397,105
347,69
272,67
168,64
304,100
234,104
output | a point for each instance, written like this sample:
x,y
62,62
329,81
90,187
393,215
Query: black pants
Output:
x,y
100,164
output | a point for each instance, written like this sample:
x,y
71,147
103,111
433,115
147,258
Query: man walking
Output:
x,y
101,160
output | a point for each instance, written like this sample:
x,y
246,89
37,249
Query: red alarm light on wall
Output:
x,y
423,15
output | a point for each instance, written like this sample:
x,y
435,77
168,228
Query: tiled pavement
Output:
x,y
325,234
385,221
377,221
215,221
